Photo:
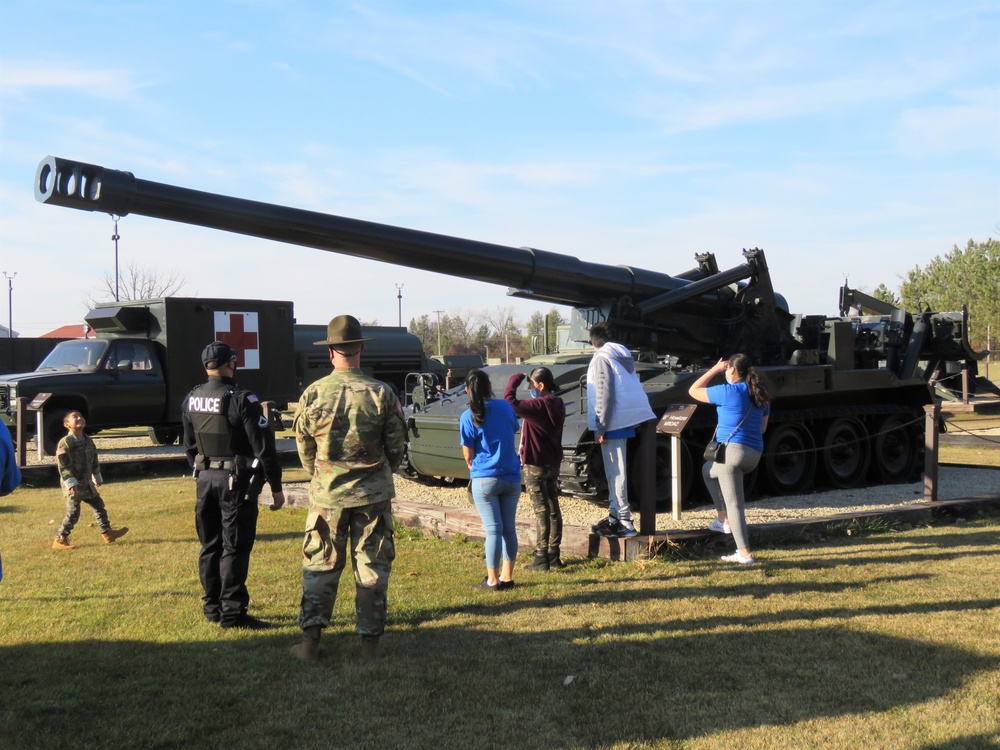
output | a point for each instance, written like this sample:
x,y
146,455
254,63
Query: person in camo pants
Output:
x,y
350,436
80,476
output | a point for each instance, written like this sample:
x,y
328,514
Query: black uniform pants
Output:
x,y
227,529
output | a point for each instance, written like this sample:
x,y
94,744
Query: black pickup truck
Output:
x,y
146,356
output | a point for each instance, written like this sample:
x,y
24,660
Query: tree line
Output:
x,y
495,333
970,276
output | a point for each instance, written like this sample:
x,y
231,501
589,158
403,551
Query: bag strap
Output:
x,y
739,425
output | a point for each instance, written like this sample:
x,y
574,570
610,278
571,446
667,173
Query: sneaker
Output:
x,y
620,530
720,528
485,584
606,523
736,557
245,622
505,585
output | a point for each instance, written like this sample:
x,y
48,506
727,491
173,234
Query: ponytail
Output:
x,y
756,387
479,388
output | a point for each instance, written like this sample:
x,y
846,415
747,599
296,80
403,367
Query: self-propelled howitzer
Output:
x,y
847,391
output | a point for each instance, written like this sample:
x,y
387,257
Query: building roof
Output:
x,y
75,331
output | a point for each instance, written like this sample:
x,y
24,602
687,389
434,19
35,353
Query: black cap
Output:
x,y
217,354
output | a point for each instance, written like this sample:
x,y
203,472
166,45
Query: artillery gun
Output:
x,y
847,391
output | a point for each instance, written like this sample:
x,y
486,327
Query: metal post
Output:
x,y
19,432
10,305
675,475
439,330
399,298
115,237
931,413
965,385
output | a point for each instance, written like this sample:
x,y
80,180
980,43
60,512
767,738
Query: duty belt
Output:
x,y
227,464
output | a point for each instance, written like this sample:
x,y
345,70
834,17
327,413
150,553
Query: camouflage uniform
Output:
x,y
79,468
350,436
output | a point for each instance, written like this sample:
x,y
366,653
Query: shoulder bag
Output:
x,y
716,451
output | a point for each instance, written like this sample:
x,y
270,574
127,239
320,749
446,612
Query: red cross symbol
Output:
x,y
237,338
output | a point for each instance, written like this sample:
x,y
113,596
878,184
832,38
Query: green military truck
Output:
x,y
146,356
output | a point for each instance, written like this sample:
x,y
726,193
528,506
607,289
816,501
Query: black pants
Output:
x,y
227,529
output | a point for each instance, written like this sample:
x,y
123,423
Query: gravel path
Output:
x,y
954,482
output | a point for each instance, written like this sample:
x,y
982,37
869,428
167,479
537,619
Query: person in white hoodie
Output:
x,y
616,405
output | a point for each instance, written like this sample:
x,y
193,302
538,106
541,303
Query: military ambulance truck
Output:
x,y
144,358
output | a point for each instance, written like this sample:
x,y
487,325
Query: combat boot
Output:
x,y
111,534
308,650
370,650
539,561
62,542
554,560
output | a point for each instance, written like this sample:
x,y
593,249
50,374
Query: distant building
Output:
x,y
75,331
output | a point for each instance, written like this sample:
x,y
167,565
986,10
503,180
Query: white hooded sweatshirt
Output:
x,y
615,398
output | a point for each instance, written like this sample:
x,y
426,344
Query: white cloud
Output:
x,y
21,76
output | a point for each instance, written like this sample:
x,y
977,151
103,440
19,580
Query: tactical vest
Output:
x,y
208,407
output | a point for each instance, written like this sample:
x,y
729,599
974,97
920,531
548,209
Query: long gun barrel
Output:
x,y
530,273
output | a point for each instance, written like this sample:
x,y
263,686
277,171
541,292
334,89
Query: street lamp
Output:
x,y
10,303
439,330
115,237
399,297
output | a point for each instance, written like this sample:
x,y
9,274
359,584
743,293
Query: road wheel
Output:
x,y
664,474
789,460
894,450
846,452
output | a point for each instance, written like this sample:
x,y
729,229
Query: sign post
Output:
x,y
36,406
672,423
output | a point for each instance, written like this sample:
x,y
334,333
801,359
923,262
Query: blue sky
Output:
x,y
844,138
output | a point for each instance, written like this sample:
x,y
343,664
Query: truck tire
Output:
x,y
163,435
54,430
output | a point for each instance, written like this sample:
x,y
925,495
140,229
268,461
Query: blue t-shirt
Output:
x,y
733,401
494,452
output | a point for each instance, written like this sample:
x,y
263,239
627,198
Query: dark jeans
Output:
x,y
543,489
227,529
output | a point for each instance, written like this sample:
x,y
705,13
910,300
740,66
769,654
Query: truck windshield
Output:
x,y
75,355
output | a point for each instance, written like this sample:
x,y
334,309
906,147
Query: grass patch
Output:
x,y
880,640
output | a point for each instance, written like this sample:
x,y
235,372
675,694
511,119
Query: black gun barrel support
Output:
x,y
534,274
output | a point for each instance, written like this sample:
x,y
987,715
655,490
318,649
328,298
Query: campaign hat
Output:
x,y
217,354
343,329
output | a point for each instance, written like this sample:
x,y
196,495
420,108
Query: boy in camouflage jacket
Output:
x,y
80,476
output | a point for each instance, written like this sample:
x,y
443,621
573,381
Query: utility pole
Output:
x,y
439,330
399,298
115,237
10,303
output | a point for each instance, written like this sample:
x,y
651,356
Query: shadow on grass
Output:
x,y
602,593
4,509
465,686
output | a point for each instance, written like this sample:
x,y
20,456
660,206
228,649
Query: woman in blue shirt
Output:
x,y
487,430
743,409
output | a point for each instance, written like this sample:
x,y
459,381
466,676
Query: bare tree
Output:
x,y
138,282
502,321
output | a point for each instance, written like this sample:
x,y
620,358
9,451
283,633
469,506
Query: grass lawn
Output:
x,y
888,640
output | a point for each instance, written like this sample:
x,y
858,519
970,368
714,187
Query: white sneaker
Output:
x,y
720,528
736,557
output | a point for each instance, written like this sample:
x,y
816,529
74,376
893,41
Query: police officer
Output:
x,y
350,435
230,446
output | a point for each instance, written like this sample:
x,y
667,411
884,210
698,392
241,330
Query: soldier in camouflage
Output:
x,y
80,476
350,436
